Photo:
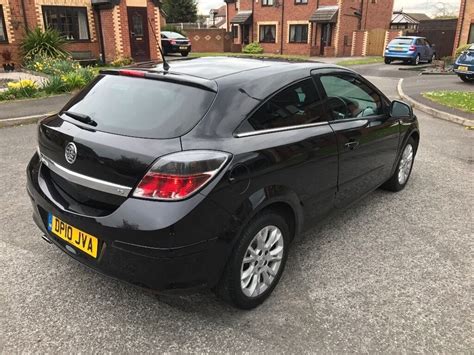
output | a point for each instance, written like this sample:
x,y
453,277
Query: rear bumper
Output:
x,y
159,259
395,55
468,72
179,49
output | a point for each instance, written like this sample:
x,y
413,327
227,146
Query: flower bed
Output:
x,y
64,75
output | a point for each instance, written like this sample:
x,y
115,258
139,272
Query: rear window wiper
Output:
x,y
81,117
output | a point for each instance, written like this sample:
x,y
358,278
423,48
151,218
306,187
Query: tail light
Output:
x,y
412,48
177,176
173,42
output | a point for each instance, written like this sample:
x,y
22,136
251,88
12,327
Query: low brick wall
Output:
x,y
391,34
210,40
358,43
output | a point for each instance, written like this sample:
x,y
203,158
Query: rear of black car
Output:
x,y
93,182
173,42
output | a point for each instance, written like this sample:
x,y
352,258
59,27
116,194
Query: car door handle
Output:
x,y
352,145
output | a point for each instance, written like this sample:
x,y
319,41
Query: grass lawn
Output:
x,y
461,100
368,60
296,58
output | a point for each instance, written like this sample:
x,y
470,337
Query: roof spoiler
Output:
x,y
171,77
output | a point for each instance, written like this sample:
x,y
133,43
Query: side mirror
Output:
x,y
400,109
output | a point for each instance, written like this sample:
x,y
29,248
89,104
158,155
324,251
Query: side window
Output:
x,y
349,97
297,105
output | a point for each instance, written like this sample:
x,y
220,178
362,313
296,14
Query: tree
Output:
x,y
180,10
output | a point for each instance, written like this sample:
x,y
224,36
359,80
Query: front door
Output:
x,y
138,26
245,34
326,34
367,136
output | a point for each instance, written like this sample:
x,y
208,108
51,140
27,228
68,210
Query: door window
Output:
x,y
350,97
297,105
137,21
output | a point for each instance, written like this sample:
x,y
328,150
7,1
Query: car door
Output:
x,y
423,49
429,49
293,147
367,136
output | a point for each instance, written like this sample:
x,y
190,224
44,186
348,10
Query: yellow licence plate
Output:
x,y
462,68
79,239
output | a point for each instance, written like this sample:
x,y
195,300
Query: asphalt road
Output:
x,y
391,274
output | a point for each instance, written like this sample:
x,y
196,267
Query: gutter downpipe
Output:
x,y
282,25
23,9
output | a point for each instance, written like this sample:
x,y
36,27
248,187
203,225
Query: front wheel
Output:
x,y
387,61
432,59
467,79
257,262
399,179
184,54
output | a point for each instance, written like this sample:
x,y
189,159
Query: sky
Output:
x,y
428,6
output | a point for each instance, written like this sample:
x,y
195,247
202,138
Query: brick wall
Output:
x,y
391,34
210,40
114,26
358,47
466,19
376,14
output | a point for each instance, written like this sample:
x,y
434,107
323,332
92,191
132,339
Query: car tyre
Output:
x,y
400,177
250,264
432,59
387,61
416,61
184,54
467,79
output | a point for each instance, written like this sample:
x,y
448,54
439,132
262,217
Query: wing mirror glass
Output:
x,y
400,109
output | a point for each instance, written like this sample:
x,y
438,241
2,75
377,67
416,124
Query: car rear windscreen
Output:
x,y
401,41
467,58
142,107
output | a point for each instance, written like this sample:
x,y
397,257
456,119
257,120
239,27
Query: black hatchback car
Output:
x,y
204,174
173,42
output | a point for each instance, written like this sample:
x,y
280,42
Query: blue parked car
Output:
x,y
410,49
464,65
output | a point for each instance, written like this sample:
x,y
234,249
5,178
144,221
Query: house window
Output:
x,y
3,28
71,22
267,33
298,33
301,2
268,2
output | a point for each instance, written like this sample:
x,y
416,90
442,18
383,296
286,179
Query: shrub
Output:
x,y
7,55
121,61
20,89
88,73
253,48
461,49
73,80
38,43
52,66
55,85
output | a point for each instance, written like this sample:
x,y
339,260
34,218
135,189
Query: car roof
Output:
x,y
171,33
408,37
215,68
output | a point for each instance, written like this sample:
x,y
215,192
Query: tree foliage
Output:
x,y
180,10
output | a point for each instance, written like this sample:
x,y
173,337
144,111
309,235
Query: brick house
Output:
x,y
465,28
106,29
308,27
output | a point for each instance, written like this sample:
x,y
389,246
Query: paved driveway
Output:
x,y
391,274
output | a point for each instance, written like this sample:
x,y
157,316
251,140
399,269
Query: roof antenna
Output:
x,y
166,66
